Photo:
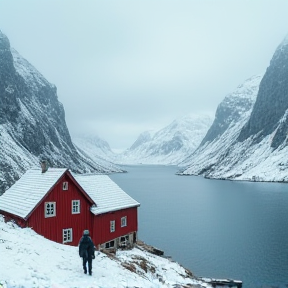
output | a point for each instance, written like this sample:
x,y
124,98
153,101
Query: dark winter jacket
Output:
x,y
86,247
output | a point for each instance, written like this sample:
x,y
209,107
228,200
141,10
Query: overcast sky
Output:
x,y
124,67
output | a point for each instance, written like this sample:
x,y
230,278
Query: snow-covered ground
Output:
x,y
28,260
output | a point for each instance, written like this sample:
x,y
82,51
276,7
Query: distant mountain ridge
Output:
x,y
248,139
97,149
169,145
32,121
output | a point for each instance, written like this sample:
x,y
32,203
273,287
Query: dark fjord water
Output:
x,y
221,229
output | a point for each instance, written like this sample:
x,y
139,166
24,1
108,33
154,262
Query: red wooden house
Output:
x,y
115,221
59,206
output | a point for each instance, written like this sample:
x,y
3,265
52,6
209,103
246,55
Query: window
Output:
x,y
65,186
50,209
124,241
75,206
124,221
67,235
112,226
124,238
110,244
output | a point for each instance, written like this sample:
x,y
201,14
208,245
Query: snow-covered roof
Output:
x,y
21,198
107,195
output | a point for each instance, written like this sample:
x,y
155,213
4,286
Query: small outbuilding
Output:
x,y
59,205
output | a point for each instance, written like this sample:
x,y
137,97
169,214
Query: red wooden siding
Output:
x,y
101,226
52,227
98,225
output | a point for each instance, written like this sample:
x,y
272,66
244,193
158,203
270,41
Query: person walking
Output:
x,y
87,251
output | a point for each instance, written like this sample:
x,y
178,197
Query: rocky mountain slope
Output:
x,y
169,145
249,143
32,121
97,149
269,115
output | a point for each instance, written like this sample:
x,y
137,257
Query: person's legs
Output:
x,y
84,264
90,265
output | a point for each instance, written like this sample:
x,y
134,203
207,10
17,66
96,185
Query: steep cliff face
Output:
x,y
32,121
211,156
270,110
233,108
254,145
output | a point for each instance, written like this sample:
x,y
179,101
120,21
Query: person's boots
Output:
x,y
90,273
85,271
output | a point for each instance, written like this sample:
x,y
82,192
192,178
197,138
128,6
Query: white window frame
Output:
x,y
112,226
124,239
124,221
47,213
109,245
76,205
65,186
67,235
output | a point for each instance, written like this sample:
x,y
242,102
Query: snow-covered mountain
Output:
x,y
97,149
169,145
32,122
29,260
249,143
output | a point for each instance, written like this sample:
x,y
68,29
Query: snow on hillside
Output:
x,y
29,260
283,43
169,145
94,146
10,148
29,73
32,123
231,115
223,158
259,162
250,144
97,149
